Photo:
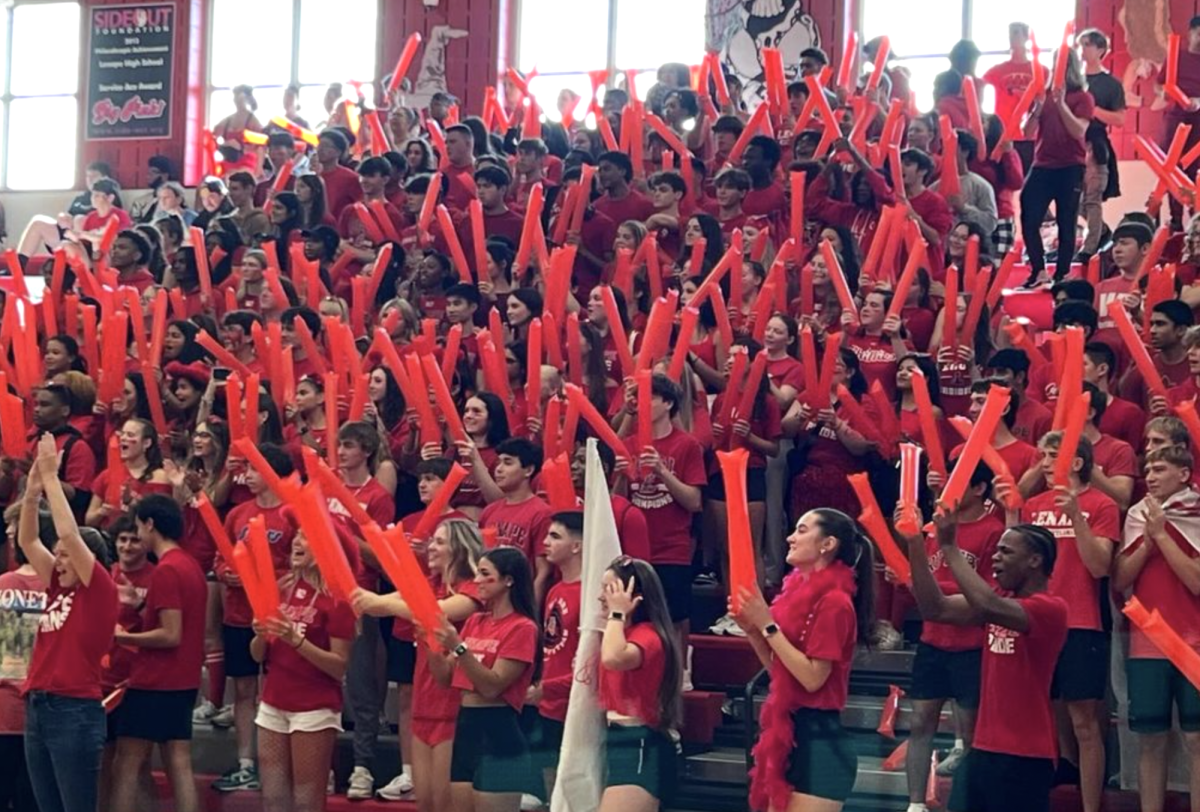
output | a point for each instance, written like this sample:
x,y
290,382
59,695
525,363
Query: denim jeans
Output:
x,y
64,739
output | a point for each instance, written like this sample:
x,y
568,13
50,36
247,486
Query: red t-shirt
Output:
x,y
767,426
1033,420
129,618
22,602
560,639
770,201
1114,457
634,206
877,358
1009,79
1055,147
431,701
1015,716
1020,456
131,490
978,541
831,636
512,637
279,536
936,213
460,186
1124,421
634,693
74,633
785,371
380,506
177,583
1071,580
293,684
341,189
468,493
522,524
669,525
631,528
94,222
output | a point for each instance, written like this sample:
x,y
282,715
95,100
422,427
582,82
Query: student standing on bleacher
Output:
x,y
1011,763
807,639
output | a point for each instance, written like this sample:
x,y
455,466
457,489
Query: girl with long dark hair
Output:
x,y
493,662
807,638
486,423
641,674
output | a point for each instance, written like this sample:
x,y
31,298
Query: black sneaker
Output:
x,y
1034,281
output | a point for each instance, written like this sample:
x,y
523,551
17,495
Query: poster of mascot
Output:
x,y
740,29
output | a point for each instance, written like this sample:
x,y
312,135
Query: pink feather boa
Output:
x,y
793,611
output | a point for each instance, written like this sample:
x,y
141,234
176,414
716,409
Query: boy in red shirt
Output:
x,y
1033,419
521,518
165,675
560,638
1122,419
1011,763
459,168
668,490
614,171
732,186
1086,525
1017,454
927,208
358,445
1160,565
236,628
341,183
1131,241
1170,323
491,187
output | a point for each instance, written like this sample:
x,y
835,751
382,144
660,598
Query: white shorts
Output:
x,y
285,722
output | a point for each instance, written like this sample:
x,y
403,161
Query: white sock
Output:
x,y
918,808
407,770
246,763
959,744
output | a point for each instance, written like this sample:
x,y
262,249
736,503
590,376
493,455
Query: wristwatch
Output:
x,y
770,630
617,616
459,650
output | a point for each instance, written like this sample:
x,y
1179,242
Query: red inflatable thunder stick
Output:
x,y
871,518
742,573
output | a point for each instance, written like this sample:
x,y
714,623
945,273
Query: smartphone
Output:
x,y
220,373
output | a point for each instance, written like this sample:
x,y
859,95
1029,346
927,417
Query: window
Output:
x,y
269,44
629,35
921,41
39,109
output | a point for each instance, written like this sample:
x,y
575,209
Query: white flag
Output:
x,y
581,762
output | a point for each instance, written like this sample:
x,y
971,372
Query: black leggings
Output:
x,y
1062,186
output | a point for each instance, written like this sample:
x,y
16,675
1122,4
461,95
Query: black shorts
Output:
x,y
756,486
544,736
1154,687
822,763
941,674
491,752
156,716
1082,670
236,642
640,756
677,586
999,782
401,654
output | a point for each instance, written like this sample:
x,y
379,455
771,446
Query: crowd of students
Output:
x,y
425,332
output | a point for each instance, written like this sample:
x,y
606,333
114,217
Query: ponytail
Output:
x,y
856,552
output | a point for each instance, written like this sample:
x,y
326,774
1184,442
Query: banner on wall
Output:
x,y
130,61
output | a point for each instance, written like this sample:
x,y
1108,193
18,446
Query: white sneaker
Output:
x,y
204,713
530,803
950,763
362,785
722,625
396,789
223,718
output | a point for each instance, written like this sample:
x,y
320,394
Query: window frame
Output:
x,y
294,61
7,96
610,52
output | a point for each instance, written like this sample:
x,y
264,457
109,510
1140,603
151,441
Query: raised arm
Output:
x,y
40,558
934,604
69,540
